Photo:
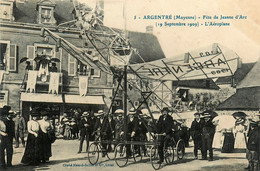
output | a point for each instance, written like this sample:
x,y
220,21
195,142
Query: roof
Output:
x,y
202,84
26,12
252,79
239,75
147,45
243,99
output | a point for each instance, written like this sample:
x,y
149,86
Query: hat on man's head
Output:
x,y
253,123
132,111
100,113
85,114
197,114
6,108
165,109
11,112
206,115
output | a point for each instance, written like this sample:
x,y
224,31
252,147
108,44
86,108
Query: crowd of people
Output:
x,y
41,135
89,126
206,135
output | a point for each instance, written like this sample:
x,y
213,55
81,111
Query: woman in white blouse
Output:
x,y
31,153
45,143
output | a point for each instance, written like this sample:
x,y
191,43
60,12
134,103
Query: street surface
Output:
x,y
65,158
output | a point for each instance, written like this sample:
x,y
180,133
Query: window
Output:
x,y
3,98
6,12
8,56
46,12
46,15
136,103
44,49
72,65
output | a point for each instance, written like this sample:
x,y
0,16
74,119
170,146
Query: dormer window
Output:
x,y
46,12
6,12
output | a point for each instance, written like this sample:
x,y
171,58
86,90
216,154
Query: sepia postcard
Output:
x,y
130,85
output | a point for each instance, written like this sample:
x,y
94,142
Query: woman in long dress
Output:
x,y
239,133
31,153
218,136
45,142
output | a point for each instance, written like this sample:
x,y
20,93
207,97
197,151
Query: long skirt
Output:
x,y
31,153
240,141
217,141
45,147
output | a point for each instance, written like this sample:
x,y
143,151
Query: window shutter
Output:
x,y
31,54
12,66
59,56
71,65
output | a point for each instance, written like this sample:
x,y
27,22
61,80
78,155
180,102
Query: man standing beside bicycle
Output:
x,y
164,126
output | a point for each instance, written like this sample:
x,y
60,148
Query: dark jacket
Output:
x,y
140,128
253,140
98,124
164,125
196,129
87,129
108,127
10,128
208,129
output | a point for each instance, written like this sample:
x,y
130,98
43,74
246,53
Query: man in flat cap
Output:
x,y
196,134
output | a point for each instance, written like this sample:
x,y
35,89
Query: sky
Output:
x,y
242,36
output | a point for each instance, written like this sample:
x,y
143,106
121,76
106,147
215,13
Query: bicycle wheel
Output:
x,y
136,155
93,153
180,149
169,155
154,158
120,155
111,153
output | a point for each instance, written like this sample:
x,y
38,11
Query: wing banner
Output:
x,y
209,62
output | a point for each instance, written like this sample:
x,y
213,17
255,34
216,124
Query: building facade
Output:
x,y
20,27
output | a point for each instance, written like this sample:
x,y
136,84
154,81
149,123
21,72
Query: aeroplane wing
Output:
x,y
209,62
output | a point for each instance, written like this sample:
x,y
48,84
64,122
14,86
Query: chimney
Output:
x,y
149,29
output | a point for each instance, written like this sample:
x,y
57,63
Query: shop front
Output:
x,y
59,104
